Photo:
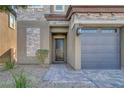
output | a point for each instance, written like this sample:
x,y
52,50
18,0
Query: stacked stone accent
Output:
x,y
33,41
32,13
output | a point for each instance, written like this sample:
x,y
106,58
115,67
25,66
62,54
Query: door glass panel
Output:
x,y
108,31
59,49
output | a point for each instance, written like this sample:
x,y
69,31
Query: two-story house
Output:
x,y
8,34
86,37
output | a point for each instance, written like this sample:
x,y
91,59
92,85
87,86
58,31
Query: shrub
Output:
x,y
41,54
20,80
8,63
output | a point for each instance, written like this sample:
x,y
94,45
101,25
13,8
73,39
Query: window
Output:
x,y
59,8
108,31
35,6
12,21
95,30
87,31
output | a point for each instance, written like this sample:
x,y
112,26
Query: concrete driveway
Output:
x,y
60,73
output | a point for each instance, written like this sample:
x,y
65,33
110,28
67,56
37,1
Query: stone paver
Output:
x,y
93,78
106,78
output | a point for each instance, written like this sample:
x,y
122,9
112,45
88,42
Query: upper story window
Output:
x,y
35,6
59,8
12,21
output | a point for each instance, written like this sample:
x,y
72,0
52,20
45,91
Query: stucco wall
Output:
x,y
22,35
59,29
7,35
98,18
73,49
32,33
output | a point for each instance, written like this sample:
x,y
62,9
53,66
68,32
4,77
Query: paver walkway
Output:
x,y
93,78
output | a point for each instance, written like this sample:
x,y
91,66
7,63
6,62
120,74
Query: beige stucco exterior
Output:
x,y
73,49
21,38
51,29
7,35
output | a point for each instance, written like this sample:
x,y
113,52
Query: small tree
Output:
x,y
4,8
41,55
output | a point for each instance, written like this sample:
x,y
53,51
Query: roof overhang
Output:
x,y
55,17
85,9
93,9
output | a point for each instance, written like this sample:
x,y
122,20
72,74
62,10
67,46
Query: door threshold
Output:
x,y
59,62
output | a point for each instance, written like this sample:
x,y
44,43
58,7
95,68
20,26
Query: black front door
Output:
x,y
59,49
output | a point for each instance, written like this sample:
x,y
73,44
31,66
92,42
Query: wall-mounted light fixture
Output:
x,y
79,31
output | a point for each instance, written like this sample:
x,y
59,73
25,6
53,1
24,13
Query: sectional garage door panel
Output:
x,y
100,50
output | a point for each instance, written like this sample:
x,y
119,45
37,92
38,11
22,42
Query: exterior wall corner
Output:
x,y
122,47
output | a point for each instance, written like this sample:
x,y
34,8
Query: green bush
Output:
x,y
41,55
20,80
8,63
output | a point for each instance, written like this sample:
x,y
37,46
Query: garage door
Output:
x,y
100,49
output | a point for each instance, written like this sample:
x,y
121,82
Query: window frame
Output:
x,y
63,9
98,30
32,6
9,21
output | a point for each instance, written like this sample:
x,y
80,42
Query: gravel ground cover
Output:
x,y
36,74
63,76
